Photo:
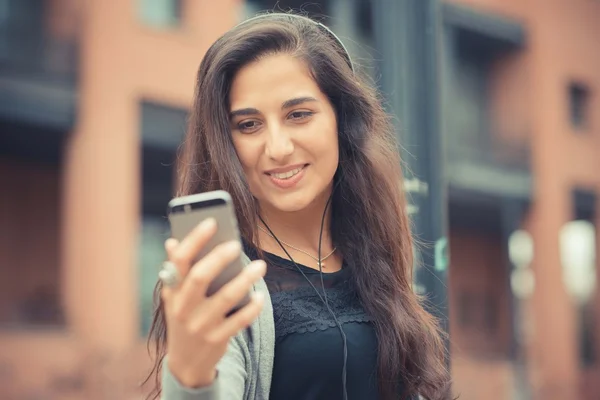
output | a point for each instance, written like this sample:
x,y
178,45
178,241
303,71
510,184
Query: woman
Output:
x,y
282,121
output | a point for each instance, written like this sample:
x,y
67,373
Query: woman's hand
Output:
x,y
198,330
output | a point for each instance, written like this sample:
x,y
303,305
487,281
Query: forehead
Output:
x,y
272,79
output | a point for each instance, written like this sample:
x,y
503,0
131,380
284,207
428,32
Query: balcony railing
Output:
x,y
495,166
32,55
38,63
38,40
486,150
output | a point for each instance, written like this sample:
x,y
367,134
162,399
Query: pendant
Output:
x,y
321,264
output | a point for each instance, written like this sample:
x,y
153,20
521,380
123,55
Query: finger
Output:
x,y
240,320
214,310
234,291
184,254
170,246
194,287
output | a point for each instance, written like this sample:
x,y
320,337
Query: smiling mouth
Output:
x,y
288,174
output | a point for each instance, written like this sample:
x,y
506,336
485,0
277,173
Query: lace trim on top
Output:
x,y
296,306
300,310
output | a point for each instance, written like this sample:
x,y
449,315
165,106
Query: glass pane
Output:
x,y
30,217
154,232
159,13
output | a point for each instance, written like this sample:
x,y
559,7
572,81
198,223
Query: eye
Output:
x,y
299,115
248,126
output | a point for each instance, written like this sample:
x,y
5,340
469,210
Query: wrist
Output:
x,y
192,379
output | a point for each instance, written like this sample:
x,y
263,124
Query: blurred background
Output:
x,y
499,118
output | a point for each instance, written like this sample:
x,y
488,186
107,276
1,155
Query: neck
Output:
x,y
299,228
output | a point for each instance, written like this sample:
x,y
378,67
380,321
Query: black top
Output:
x,y
308,344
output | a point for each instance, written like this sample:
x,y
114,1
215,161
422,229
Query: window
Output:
x,y
162,131
364,18
4,21
578,105
160,13
154,231
491,314
588,353
30,208
157,185
478,311
584,212
481,61
466,317
315,9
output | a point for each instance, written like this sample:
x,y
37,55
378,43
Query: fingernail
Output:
x,y
258,266
171,242
233,247
208,223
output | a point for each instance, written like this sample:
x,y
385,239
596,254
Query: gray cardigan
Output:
x,y
244,372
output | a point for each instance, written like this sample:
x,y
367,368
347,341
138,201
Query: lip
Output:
x,y
283,170
287,183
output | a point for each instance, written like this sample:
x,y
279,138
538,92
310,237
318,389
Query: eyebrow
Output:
x,y
286,104
297,101
243,112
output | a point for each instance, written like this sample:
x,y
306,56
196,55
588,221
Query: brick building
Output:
x,y
93,99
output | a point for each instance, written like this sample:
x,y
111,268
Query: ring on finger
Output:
x,y
169,275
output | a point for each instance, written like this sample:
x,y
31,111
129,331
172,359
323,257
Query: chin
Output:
x,y
290,205
292,202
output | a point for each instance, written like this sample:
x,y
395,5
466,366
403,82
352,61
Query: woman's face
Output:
x,y
285,133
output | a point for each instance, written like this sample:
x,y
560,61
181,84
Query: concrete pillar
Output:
x,y
554,362
101,206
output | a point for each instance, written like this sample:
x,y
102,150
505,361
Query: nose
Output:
x,y
279,144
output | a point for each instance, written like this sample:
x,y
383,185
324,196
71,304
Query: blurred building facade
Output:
x,y
93,104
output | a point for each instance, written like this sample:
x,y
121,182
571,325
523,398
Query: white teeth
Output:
x,y
287,175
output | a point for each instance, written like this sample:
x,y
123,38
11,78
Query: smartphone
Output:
x,y
186,212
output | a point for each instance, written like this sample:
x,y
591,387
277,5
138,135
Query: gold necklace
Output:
x,y
319,262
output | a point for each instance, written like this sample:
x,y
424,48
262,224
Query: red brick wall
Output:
x,y
478,288
29,238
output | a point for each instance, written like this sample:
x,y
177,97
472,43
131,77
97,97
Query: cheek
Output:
x,y
249,157
330,151
334,151
333,157
325,152
244,153
328,143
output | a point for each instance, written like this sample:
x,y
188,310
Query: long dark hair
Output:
x,y
370,225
